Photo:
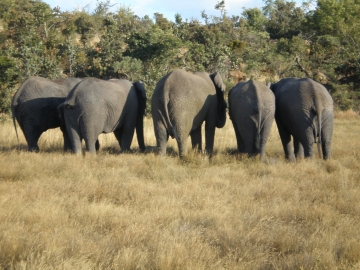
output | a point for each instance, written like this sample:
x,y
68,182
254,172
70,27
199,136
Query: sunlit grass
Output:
x,y
142,211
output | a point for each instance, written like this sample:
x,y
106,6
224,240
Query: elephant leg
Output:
x,y
285,137
67,142
128,133
182,145
298,149
250,137
264,137
75,139
32,135
239,140
326,137
326,149
118,134
240,143
196,139
89,137
307,140
162,137
209,138
126,138
90,145
97,145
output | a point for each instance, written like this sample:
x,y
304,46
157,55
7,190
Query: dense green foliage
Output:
x,y
319,40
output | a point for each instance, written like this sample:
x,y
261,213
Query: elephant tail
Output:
x,y
318,108
14,104
169,127
319,130
258,132
13,107
60,110
65,104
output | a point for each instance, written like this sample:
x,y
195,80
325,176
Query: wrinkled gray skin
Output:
x,y
96,106
304,110
34,107
181,102
252,111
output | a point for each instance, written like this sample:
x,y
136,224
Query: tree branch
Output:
x,y
297,61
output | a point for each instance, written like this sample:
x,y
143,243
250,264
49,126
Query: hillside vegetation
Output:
x,y
142,211
319,39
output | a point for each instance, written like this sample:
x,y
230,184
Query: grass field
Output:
x,y
142,211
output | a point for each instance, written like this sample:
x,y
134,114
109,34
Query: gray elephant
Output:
x,y
252,111
97,106
304,110
181,102
34,107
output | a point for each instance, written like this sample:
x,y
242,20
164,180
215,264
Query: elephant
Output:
x,y
98,106
252,112
304,110
34,107
181,102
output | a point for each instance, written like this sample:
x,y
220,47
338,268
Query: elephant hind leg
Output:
x,y
264,137
252,142
196,139
209,138
326,149
182,145
67,142
118,134
124,136
32,135
90,134
298,149
239,140
326,137
162,137
75,139
90,145
285,137
307,140
97,145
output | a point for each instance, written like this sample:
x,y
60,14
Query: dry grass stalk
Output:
x,y
142,211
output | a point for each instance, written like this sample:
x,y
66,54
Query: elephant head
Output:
x,y
141,95
222,105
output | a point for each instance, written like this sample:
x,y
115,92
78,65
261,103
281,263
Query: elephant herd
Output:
x,y
84,108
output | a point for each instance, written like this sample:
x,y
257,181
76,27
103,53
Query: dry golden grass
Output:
x,y
142,211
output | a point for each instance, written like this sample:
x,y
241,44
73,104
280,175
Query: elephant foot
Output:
x,y
291,159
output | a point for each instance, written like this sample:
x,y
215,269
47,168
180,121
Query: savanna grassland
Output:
x,y
142,211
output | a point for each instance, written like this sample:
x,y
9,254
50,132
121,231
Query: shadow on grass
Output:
x,y
235,154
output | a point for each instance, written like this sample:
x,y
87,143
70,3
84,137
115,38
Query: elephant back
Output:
x,y
295,93
252,97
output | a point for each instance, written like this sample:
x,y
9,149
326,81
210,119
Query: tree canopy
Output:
x,y
280,39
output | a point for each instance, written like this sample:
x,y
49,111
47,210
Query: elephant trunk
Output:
x,y
141,96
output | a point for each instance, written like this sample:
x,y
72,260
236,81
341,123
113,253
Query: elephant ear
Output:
x,y
221,106
141,95
217,80
140,88
273,87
